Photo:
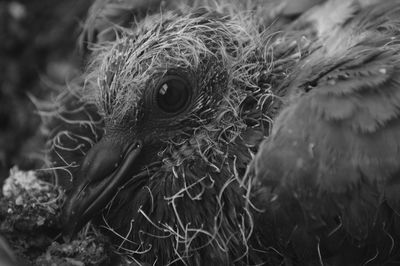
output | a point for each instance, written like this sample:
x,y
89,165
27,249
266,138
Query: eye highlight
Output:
x,y
173,94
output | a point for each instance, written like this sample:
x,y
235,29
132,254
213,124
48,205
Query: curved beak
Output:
x,y
105,167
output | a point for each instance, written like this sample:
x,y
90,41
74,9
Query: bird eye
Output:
x,y
172,94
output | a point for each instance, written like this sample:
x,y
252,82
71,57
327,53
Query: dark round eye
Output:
x,y
172,94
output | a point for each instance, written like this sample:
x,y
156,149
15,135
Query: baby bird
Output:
x,y
181,174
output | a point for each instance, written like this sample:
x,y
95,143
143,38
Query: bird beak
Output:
x,y
105,167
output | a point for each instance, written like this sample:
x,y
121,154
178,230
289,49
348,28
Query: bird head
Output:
x,y
184,100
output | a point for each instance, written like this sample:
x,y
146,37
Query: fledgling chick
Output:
x,y
187,96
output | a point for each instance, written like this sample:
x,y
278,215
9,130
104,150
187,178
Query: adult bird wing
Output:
x,y
328,177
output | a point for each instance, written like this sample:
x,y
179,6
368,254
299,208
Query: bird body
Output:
x,y
189,156
187,96
334,149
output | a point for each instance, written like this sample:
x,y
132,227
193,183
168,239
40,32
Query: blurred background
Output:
x,y
37,57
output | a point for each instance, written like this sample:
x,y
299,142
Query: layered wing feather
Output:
x,y
328,176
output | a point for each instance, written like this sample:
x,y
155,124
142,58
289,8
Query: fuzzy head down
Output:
x,y
187,201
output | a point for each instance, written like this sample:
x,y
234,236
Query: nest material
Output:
x,y
30,220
